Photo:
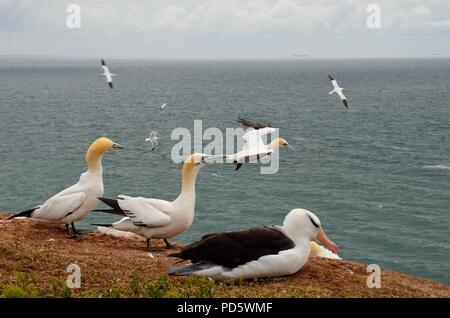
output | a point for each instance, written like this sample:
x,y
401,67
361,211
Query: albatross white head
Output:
x,y
96,151
303,225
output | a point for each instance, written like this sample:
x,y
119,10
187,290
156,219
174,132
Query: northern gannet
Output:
x,y
153,139
259,252
155,218
163,105
75,202
254,147
107,74
338,90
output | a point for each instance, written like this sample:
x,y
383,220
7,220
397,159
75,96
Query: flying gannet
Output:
x,y
254,147
260,252
75,202
338,90
107,74
153,139
155,218
163,105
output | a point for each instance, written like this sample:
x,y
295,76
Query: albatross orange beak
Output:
x,y
322,237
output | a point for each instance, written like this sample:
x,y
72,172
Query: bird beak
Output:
x,y
322,237
292,148
117,146
204,160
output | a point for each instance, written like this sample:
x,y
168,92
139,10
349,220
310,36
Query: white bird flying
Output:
x,y
153,139
107,74
155,218
254,147
260,252
338,90
163,105
75,202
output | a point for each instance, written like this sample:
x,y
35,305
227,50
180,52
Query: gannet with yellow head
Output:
x,y
254,147
155,218
76,202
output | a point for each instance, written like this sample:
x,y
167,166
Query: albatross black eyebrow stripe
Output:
x,y
312,221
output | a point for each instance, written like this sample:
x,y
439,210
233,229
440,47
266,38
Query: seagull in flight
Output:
x,y
153,139
338,90
163,105
107,74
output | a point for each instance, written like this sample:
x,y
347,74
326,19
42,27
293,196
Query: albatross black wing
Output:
x,y
231,249
252,124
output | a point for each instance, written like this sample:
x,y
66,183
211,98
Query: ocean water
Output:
x,y
377,175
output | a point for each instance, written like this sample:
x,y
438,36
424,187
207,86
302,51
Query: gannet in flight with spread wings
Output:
x,y
107,74
75,202
254,147
338,90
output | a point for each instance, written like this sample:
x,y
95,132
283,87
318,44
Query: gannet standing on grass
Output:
x,y
75,202
260,252
107,74
338,90
155,218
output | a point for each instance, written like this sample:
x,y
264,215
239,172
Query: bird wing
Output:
x,y
253,140
142,212
231,249
335,84
60,206
253,124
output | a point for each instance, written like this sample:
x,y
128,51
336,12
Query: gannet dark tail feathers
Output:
x,y
26,214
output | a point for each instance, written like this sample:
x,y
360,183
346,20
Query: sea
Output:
x,y
376,174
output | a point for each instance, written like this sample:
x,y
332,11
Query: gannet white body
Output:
x,y
338,90
107,74
155,218
260,252
254,147
76,202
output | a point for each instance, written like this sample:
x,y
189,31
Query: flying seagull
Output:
x,y
155,218
107,74
152,139
338,90
163,105
259,252
77,201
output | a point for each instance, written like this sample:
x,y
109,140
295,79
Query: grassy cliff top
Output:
x,y
34,258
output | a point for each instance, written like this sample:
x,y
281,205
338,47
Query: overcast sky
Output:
x,y
225,28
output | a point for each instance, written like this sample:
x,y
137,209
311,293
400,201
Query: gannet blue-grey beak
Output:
x,y
117,146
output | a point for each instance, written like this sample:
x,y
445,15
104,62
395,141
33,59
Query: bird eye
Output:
x,y
313,222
